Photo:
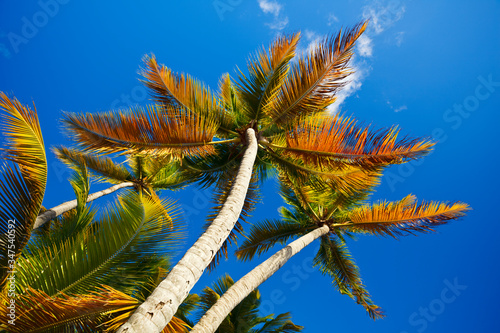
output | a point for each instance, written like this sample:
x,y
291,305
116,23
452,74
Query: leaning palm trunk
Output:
x,y
244,286
69,205
158,309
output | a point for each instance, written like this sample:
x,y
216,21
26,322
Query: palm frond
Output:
x,y
400,218
266,74
339,140
231,105
23,176
152,131
182,91
132,231
333,259
101,166
314,80
38,312
267,233
281,324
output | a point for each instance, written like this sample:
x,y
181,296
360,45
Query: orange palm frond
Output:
x,y
400,218
153,131
337,140
314,80
23,176
266,75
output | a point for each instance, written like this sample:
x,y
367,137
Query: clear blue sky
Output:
x,y
430,66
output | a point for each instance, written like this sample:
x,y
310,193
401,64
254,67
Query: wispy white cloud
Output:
x,y
397,109
364,46
399,38
332,19
275,8
383,15
353,84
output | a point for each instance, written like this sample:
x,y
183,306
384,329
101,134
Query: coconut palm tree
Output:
x,y
330,218
245,318
145,173
275,117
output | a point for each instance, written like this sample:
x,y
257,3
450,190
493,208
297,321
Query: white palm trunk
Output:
x,y
244,286
69,205
158,309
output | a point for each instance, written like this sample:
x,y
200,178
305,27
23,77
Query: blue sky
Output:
x,y
430,66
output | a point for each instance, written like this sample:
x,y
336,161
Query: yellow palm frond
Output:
x,y
231,106
153,131
267,72
23,176
337,140
400,218
314,80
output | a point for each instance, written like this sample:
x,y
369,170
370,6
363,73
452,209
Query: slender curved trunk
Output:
x,y
158,309
244,286
69,205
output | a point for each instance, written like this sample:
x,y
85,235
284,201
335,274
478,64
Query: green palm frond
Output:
x,y
266,75
267,233
314,80
154,131
231,106
281,324
130,232
101,166
23,176
334,260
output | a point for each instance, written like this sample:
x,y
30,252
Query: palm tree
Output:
x,y
87,275
276,117
144,173
23,176
245,318
330,218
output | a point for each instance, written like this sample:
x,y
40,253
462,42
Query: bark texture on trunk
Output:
x,y
158,309
69,205
244,286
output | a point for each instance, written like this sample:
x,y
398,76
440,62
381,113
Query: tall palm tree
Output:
x,y
23,176
245,318
275,116
330,218
144,173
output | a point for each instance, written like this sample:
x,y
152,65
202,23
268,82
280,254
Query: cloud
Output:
x,y
398,109
353,84
364,46
383,16
332,19
273,7
270,7
399,38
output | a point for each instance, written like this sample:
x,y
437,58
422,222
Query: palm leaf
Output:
x,y
339,140
153,131
400,218
281,324
266,74
314,80
23,175
102,167
334,260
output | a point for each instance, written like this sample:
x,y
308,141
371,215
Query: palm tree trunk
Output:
x,y
244,286
155,313
69,205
